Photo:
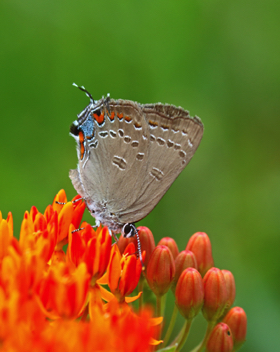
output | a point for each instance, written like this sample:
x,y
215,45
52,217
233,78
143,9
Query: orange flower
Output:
x,y
45,232
6,234
118,330
123,272
63,293
91,247
68,213
39,233
22,273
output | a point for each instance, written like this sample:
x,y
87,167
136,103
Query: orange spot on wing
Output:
x,y
153,123
120,116
127,118
137,125
99,119
112,116
82,147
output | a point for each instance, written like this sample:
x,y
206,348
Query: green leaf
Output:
x,y
169,349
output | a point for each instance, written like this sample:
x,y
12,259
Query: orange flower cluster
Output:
x,y
79,300
51,300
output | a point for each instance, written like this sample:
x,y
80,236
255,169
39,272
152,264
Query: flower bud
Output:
x,y
185,259
171,244
147,242
220,339
160,270
189,293
236,319
215,294
230,284
200,245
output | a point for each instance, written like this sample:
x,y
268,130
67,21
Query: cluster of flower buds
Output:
x,y
80,299
197,285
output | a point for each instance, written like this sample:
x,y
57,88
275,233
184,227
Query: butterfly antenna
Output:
x,y
83,89
139,250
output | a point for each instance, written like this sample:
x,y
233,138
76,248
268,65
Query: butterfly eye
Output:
x,y
74,129
128,230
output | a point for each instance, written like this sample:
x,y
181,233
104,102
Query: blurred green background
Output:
x,y
218,59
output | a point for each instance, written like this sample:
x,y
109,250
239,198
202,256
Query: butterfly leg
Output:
x,y
74,201
114,236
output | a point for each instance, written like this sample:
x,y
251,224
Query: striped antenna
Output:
x,y
83,89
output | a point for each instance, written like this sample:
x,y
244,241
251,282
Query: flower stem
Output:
x,y
159,306
202,345
140,289
178,337
159,313
188,324
170,327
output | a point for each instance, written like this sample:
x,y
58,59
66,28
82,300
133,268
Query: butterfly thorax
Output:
x,y
103,216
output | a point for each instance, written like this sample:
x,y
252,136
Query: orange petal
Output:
x,y
132,299
126,281
60,197
27,227
95,301
154,342
5,238
103,280
155,321
114,269
40,222
51,315
105,294
64,220
76,246
10,223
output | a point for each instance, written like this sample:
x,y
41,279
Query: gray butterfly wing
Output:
x,y
110,169
173,139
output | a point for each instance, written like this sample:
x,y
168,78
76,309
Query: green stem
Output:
x,y
202,345
140,289
184,337
178,337
170,327
163,304
158,306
